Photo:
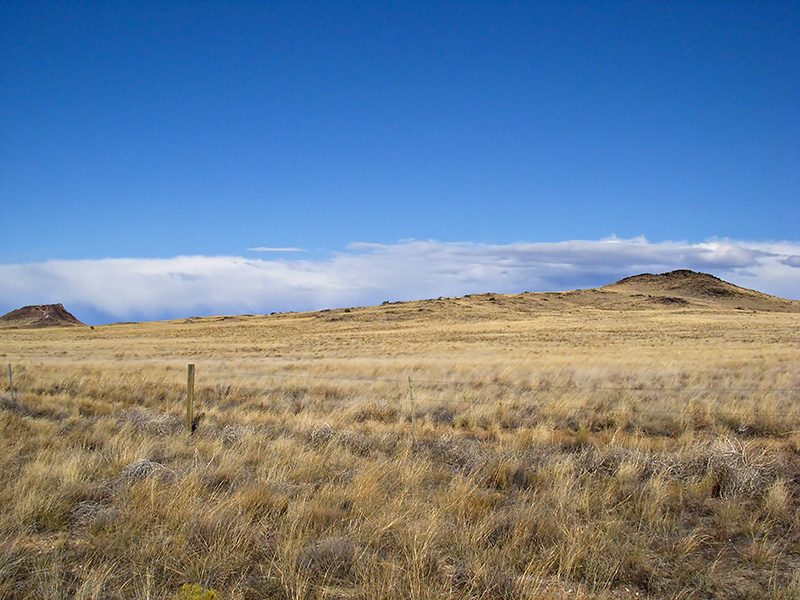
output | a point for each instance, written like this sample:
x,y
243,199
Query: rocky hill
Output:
x,y
37,316
685,287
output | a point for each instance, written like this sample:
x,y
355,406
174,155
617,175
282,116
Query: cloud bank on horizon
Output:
x,y
114,289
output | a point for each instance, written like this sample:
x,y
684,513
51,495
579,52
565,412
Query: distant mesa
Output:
x,y
38,316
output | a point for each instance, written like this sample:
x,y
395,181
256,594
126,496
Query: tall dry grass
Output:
x,y
580,455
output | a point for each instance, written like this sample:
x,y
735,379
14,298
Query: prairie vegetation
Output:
x,y
555,450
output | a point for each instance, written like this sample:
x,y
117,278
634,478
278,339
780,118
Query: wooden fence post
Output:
x,y
190,399
413,412
10,383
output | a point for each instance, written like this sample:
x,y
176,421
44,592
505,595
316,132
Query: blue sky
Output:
x,y
165,158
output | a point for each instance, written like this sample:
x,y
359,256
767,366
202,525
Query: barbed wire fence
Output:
x,y
434,399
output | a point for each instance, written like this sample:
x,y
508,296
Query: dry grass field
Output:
x,y
637,441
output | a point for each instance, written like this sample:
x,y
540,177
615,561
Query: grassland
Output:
x,y
584,446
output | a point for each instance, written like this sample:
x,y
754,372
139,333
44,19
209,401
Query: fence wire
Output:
x,y
529,395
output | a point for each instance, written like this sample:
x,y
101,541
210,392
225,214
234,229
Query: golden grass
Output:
x,y
560,453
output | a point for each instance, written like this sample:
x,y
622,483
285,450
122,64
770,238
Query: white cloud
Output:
x,y
365,273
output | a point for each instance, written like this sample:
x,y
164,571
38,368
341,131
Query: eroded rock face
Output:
x,y
39,315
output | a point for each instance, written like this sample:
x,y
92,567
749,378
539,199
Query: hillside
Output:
x,y
37,316
676,290
684,287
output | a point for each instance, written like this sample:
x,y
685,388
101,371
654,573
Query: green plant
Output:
x,y
193,591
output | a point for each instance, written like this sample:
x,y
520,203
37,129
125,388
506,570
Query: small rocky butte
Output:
x,y
38,316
